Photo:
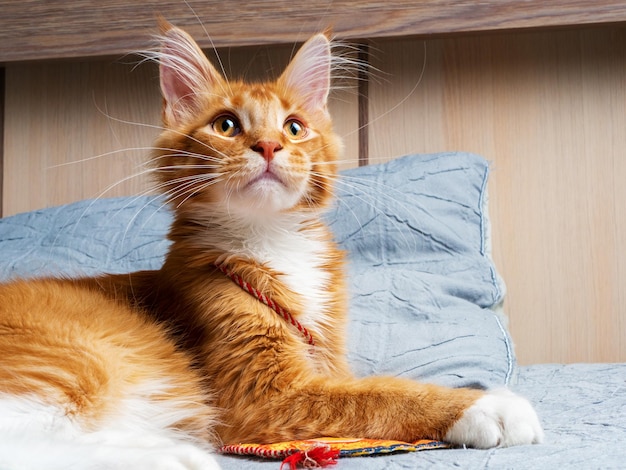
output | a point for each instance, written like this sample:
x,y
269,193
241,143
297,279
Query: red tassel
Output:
x,y
317,457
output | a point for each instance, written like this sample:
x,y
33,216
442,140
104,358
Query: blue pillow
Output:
x,y
115,235
423,287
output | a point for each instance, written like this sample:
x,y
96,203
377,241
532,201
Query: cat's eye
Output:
x,y
227,125
295,129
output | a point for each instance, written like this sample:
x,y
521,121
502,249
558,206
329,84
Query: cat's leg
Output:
x,y
391,408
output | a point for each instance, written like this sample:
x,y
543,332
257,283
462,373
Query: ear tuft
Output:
x,y
308,74
186,74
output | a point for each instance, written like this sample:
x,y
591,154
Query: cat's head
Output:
x,y
245,148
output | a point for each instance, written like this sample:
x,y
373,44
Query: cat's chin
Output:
x,y
265,195
265,180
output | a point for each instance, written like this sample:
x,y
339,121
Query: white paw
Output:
x,y
498,419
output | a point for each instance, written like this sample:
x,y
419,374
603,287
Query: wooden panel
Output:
x,y
73,131
548,110
2,107
32,29
83,130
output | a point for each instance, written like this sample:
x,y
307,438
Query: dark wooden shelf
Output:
x,y
55,29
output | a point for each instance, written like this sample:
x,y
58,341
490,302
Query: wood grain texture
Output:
x,y
83,130
34,30
548,109
75,131
364,109
2,107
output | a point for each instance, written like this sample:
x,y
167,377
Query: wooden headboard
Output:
x,y
536,86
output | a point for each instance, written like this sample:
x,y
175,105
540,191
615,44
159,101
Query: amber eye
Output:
x,y
227,125
295,129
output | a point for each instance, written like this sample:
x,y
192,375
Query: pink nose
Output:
x,y
267,149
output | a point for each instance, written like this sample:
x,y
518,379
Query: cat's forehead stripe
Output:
x,y
259,105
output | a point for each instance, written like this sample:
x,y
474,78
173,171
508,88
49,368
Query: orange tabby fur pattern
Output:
x,y
248,170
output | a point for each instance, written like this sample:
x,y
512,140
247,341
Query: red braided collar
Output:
x,y
267,301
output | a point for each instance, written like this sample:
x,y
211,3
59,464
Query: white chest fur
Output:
x,y
295,253
299,256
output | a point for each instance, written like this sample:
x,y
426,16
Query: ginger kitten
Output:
x,y
239,337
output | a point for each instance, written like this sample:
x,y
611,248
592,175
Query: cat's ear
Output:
x,y
308,73
186,74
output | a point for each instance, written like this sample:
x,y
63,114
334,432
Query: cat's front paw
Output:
x,y
498,419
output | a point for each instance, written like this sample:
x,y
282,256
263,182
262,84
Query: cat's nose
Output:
x,y
267,149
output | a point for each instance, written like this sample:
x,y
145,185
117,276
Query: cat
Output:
x,y
239,337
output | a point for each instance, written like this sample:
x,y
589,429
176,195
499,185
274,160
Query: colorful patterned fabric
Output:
x,y
335,447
